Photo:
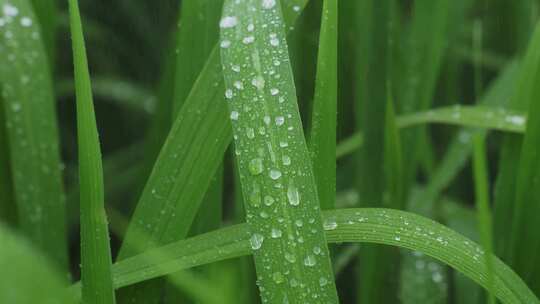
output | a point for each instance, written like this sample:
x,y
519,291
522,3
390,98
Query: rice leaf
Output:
x,y
8,212
282,207
366,225
482,205
29,109
47,15
322,141
525,237
95,248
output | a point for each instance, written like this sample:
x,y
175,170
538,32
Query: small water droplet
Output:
x,y
256,166
276,233
234,115
228,94
280,120
278,277
268,200
330,224
224,44
286,160
268,4
290,257
323,281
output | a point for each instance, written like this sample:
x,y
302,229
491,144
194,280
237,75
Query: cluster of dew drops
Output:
x,y
256,166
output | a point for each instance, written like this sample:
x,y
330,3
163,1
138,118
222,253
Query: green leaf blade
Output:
x,y
282,208
31,124
323,133
96,258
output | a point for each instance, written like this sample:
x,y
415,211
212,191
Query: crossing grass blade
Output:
x,y
32,133
322,141
95,248
22,266
365,225
282,206
482,206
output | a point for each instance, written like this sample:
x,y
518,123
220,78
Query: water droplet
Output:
x,y
268,200
275,174
276,233
323,281
225,44
268,4
296,8
228,94
10,10
283,144
317,250
286,160
255,196
258,82
278,277
299,223
239,85
256,241
228,22
26,22
234,115
236,68
274,91
310,260
256,166
397,238
290,257
264,215
250,27
250,133
248,40
280,120
330,224
293,196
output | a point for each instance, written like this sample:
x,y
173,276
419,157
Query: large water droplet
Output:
x,y
330,224
293,196
256,241
275,174
256,166
228,22
310,260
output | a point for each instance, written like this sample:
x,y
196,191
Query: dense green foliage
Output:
x,y
225,151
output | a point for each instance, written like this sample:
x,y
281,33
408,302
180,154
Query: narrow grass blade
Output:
x,y
22,267
371,225
8,211
482,205
197,35
95,248
323,129
29,109
393,162
282,209
525,237
375,263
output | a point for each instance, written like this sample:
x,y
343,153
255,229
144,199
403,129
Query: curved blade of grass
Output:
x,y
482,205
371,225
188,160
282,209
22,266
322,141
32,130
46,13
95,248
